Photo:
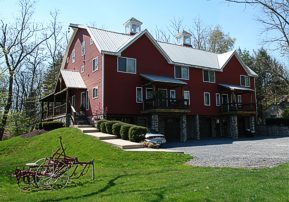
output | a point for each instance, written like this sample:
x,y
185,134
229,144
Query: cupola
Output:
x,y
184,38
132,26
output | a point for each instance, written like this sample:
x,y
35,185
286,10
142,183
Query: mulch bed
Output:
x,y
33,133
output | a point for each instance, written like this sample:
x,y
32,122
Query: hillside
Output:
x,y
136,176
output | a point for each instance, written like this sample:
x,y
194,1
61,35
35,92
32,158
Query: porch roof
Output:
x,y
162,79
235,87
72,79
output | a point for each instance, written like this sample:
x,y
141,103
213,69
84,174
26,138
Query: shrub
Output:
x,y
285,114
277,122
51,125
99,122
102,127
124,131
38,126
116,128
137,133
108,126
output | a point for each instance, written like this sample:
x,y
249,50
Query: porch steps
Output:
x,y
83,126
101,136
88,129
124,144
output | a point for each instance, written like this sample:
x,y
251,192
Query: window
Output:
x,y
208,76
73,56
83,48
207,99
95,92
86,101
181,72
95,64
139,97
73,101
82,68
127,65
173,94
187,97
239,99
245,81
218,99
90,41
149,93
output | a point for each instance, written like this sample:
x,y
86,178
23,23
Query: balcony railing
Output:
x,y
165,103
235,107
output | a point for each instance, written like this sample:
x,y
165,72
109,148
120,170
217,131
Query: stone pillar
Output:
x,y
183,125
213,127
155,122
252,124
197,127
233,126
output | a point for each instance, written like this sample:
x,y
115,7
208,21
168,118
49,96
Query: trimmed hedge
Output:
x,y
99,122
51,125
124,129
108,126
137,133
102,127
116,128
277,122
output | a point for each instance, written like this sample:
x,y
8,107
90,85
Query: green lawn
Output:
x,y
136,176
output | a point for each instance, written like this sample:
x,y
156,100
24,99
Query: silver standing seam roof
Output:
x,y
235,87
72,79
113,43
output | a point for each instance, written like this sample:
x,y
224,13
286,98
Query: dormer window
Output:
x,y
184,38
132,26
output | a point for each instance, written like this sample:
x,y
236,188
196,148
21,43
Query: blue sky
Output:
x,y
237,20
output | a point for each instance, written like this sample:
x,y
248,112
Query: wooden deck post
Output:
x,y
53,109
67,101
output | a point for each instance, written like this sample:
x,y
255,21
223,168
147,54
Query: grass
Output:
x,y
136,176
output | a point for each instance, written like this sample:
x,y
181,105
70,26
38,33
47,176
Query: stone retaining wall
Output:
x,y
280,131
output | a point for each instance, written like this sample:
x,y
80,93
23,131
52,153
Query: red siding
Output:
x,y
91,79
120,87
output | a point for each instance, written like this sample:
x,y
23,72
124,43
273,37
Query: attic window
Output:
x,y
245,81
83,48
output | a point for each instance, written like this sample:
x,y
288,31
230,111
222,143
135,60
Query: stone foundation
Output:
x,y
233,127
155,122
183,125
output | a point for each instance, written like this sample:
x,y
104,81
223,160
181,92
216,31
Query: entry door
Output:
x,y
163,95
83,100
225,101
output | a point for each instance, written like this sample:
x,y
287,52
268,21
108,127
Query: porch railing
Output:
x,y
58,110
165,103
234,107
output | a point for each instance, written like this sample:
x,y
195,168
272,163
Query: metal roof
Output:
x,y
72,79
162,79
235,87
114,43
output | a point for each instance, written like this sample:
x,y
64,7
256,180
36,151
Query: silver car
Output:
x,y
154,140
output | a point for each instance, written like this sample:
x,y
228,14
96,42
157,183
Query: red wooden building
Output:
x,y
174,89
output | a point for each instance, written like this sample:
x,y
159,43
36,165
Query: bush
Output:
x,y
38,126
116,128
51,125
137,133
102,127
108,126
124,131
285,114
99,122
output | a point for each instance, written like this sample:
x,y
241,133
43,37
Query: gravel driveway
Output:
x,y
243,153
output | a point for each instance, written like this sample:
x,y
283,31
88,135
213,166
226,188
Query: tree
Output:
x,y
19,40
276,20
219,42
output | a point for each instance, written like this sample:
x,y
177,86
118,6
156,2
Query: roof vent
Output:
x,y
184,38
132,26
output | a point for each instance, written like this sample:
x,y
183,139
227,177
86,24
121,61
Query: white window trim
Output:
x,y
94,97
187,91
83,53
245,80
147,92
220,100
73,101
126,66
87,101
182,67
73,56
171,94
136,89
239,98
209,77
96,58
82,69
81,100
207,93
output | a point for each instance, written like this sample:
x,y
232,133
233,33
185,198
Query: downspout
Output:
x,y
102,84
